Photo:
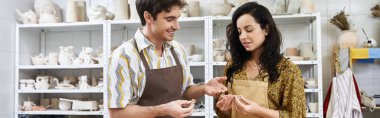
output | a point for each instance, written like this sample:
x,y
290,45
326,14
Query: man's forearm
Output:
x,y
194,92
136,111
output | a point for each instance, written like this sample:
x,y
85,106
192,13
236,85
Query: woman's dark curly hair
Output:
x,y
270,55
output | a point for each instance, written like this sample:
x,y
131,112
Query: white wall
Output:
x,y
7,53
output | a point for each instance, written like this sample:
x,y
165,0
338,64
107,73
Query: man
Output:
x,y
149,76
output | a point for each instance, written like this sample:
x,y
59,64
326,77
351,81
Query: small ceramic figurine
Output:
x,y
97,13
47,6
66,55
28,17
86,55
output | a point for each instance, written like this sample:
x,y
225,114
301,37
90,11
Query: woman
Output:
x,y
261,82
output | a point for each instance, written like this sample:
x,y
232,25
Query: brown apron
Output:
x,y
256,91
162,85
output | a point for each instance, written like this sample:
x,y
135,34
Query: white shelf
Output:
x,y
295,62
198,114
94,66
279,19
59,112
77,26
197,63
311,90
308,114
61,91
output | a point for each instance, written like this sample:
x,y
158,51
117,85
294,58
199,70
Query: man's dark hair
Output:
x,y
155,7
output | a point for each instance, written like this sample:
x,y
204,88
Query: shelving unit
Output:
x,y
197,31
32,39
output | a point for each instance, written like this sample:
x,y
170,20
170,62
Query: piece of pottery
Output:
x,y
348,39
194,9
196,58
39,60
97,13
86,55
71,11
236,4
307,6
66,55
48,15
83,83
313,107
133,10
52,58
121,9
64,105
306,50
218,43
220,8
28,17
42,83
292,52
27,105
47,6
219,58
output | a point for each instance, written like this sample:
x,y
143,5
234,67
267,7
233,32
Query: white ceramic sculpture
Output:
x,y
237,4
66,55
39,60
220,8
86,55
194,9
110,16
28,17
133,10
97,13
71,11
42,82
47,6
307,6
120,9
52,58
49,16
82,84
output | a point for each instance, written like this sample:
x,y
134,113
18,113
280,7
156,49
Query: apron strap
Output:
x,y
175,56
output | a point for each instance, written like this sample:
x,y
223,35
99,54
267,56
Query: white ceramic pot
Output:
x,y
121,9
27,105
348,39
28,17
64,105
71,11
306,50
52,58
307,6
313,107
196,57
220,8
47,6
133,10
194,9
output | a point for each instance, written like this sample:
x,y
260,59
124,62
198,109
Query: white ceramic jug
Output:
x,y
121,9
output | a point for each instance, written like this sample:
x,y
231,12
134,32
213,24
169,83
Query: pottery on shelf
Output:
x,y
306,50
75,11
348,39
29,17
52,58
66,55
47,7
194,9
97,13
39,60
121,9
307,6
236,4
133,10
220,8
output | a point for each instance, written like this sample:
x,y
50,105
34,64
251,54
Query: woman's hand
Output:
x,y
225,102
245,106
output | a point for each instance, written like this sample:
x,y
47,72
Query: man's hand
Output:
x,y
175,108
215,86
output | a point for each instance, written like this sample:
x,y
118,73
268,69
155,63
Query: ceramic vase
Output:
x,y
348,39
133,10
121,9
194,9
307,6
71,11
307,50
220,8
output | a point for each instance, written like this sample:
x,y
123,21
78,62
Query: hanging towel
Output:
x,y
344,101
